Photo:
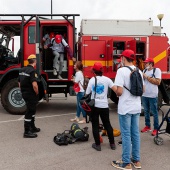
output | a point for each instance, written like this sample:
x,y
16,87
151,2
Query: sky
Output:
x,y
94,9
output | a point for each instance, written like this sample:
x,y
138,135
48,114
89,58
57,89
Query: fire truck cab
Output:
x,y
104,41
27,31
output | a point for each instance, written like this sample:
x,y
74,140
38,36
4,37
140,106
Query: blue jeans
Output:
x,y
129,126
79,108
150,105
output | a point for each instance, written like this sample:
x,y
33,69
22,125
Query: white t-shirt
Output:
x,y
58,47
128,103
103,83
151,90
79,78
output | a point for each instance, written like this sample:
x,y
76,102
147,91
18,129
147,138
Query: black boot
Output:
x,y
28,133
34,129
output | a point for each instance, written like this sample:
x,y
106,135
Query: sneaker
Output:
x,y
146,129
113,146
120,165
55,71
59,77
76,119
136,164
97,147
82,121
154,132
120,143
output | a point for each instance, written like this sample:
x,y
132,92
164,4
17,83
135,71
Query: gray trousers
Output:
x,y
56,61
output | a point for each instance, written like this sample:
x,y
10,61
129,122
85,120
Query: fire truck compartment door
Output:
x,y
110,53
132,45
94,51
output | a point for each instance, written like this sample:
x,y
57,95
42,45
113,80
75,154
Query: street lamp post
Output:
x,y
51,8
160,16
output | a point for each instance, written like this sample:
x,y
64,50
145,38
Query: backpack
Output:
x,y
64,138
136,82
79,134
71,136
85,83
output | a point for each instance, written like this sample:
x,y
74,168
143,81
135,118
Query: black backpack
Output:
x,y
136,82
71,136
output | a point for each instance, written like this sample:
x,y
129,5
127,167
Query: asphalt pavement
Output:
x,y
18,153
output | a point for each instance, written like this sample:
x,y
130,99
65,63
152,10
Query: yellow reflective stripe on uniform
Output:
x,y
24,74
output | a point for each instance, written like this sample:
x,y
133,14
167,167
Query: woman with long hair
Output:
x,y
79,80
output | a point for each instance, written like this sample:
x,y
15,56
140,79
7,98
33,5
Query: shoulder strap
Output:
x,y
145,71
95,87
54,39
131,71
129,68
154,69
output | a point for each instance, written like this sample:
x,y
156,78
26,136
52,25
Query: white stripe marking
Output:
x,y
7,121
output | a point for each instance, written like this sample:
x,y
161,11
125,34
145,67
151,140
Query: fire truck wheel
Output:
x,y
11,98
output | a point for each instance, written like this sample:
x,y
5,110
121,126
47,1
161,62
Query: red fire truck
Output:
x,y
98,40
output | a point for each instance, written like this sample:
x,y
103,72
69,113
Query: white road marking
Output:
x,y
21,118
42,117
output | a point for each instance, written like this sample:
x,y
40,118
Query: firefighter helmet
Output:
x,y
32,56
58,39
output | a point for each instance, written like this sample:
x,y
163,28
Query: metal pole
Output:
x,y
51,8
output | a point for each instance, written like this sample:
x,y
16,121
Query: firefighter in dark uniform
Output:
x,y
29,89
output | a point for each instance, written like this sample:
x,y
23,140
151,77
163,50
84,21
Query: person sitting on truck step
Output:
x,y
58,43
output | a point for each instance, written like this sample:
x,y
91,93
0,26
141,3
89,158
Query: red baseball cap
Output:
x,y
97,66
129,54
52,35
58,39
149,60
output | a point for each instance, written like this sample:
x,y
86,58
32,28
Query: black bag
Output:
x,y
79,134
63,138
88,104
136,83
71,136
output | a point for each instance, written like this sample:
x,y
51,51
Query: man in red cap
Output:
x,y
101,105
152,78
58,44
129,109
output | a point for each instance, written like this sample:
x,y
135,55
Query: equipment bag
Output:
x,y
136,83
79,134
64,138
71,136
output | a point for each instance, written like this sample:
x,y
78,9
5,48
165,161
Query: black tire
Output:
x,y
11,98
